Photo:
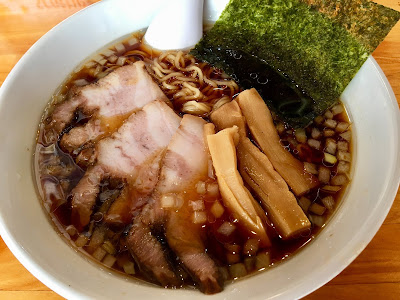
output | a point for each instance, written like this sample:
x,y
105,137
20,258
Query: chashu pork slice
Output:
x,y
136,146
108,102
184,165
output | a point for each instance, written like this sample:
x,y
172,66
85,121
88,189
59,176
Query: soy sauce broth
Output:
x,y
57,173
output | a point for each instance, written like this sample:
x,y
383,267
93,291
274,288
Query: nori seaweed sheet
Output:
x,y
316,46
367,21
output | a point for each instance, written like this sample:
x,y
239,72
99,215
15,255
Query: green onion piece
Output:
x,y
99,253
263,260
109,260
237,270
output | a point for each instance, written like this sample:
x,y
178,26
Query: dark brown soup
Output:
x,y
324,147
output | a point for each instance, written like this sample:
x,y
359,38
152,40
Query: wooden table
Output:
x,y
375,274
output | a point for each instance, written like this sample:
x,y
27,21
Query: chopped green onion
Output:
x,y
129,267
317,209
249,263
328,202
330,123
201,187
324,174
331,188
346,135
330,146
300,135
226,228
328,114
343,167
337,109
217,209
317,220
109,247
310,168
197,205
343,145
237,270
199,217
315,133
339,180
314,143
99,253
263,260
342,155
304,203
329,158
213,189
109,260
81,241
329,132
251,247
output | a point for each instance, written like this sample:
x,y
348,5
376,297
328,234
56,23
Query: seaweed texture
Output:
x,y
315,47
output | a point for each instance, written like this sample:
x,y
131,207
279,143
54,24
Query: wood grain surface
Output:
x,y
375,274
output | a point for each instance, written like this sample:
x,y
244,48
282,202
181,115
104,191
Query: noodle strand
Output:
x,y
183,79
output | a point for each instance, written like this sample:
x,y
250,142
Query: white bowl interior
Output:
x,y
28,233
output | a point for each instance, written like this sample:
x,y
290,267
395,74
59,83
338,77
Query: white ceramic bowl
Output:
x,y
28,233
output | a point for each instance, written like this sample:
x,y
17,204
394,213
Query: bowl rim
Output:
x,y
61,288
